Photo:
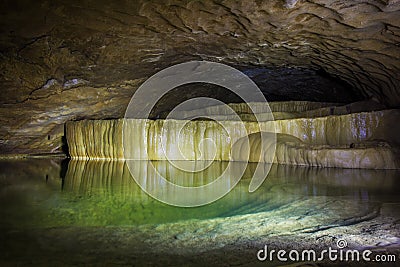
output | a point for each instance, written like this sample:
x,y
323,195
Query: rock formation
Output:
x,y
74,60
356,140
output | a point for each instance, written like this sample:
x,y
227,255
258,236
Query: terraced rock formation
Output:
x,y
356,140
74,60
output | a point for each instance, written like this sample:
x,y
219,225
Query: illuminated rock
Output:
x,y
283,110
86,59
359,140
292,151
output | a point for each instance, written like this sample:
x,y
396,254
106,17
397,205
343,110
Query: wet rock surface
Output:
x,y
356,140
71,60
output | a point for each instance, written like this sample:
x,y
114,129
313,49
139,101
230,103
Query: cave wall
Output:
x,y
71,60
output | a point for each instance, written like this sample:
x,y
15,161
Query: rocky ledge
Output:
x,y
355,140
73,60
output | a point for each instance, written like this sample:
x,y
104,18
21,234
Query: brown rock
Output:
x,y
69,60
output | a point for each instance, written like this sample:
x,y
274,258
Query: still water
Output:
x,y
44,193
92,213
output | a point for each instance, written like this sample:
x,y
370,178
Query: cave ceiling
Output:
x,y
70,60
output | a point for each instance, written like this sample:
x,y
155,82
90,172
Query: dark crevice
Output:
x,y
346,222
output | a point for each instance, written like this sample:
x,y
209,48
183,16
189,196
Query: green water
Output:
x,y
41,193
92,213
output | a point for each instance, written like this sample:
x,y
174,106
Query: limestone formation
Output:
x,y
74,60
281,110
292,151
358,140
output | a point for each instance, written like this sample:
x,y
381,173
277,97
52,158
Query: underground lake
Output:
x,y
77,212
200,133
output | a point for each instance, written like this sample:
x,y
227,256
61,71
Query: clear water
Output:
x,y
55,213
43,193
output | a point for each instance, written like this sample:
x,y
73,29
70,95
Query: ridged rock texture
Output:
x,y
356,140
292,151
72,60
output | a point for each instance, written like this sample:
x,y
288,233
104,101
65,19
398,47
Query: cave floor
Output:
x,y
80,216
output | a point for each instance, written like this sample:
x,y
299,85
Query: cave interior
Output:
x,y
328,69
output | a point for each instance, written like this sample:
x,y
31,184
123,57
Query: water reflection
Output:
x,y
35,193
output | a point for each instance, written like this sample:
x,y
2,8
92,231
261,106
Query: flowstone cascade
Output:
x,y
356,140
